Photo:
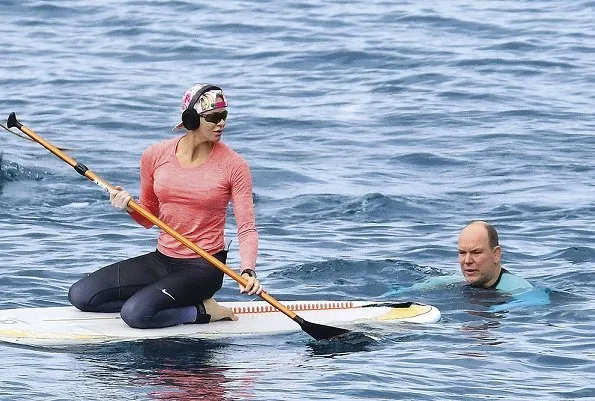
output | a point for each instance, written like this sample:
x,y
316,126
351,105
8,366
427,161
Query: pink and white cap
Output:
x,y
211,99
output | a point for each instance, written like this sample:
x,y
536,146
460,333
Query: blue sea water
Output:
x,y
375,131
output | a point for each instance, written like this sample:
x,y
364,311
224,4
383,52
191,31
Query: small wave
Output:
x,y
452,24
76,205
513,45
369,208
575,254
350,279
11,171
426,159
499,63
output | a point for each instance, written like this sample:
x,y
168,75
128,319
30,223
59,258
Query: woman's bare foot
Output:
x,y
217,311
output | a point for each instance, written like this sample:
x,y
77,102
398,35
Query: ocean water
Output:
x,y
375,131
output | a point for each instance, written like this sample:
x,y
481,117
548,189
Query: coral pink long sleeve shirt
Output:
x,y
194,200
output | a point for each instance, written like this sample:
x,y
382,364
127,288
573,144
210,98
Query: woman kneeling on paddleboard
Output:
x,y
188,182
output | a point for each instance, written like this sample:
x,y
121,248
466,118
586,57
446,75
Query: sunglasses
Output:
x,y
215,117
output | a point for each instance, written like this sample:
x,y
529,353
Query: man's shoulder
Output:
x,y
511,282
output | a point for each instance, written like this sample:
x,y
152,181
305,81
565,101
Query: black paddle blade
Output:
x,y
319,331
12,121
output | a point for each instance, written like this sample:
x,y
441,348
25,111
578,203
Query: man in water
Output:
x,y
479,257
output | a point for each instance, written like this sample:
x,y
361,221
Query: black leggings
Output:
x,y
151,290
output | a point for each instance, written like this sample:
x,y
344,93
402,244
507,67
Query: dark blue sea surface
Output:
x,y
375,131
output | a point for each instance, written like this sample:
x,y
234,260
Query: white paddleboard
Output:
x,y
63,326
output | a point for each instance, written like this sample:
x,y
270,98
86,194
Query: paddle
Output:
x,y
318,331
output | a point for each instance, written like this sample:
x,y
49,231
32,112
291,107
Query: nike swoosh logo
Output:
x,y
167,293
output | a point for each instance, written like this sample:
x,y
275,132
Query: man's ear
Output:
x,y
497,254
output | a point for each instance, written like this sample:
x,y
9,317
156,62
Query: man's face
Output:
x,y
479,263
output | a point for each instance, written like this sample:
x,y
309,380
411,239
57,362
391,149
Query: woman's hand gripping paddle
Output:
x,y
317,331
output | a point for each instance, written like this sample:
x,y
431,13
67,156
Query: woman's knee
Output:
x,y
78,296
135,315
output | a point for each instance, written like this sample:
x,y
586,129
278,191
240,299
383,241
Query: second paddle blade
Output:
x,y
320,331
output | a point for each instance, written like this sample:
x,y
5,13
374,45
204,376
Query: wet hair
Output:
x,y
492,235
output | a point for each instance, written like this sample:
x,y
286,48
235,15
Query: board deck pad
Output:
x,y
66,325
